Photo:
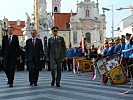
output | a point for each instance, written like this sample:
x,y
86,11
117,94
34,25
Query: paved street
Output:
x,y
73,87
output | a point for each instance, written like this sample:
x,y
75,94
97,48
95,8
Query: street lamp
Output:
x,y
107,9
130,7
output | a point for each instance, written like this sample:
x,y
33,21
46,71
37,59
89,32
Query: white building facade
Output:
x,y
126,26
87,23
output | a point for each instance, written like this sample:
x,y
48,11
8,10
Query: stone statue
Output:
x,y
27,22
42,6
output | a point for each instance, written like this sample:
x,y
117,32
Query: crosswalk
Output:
x,y
73,87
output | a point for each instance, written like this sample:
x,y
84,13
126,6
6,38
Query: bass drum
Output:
x,y
117,75
79,62
87,66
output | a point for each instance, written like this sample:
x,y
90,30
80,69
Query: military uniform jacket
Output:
x,y
56,48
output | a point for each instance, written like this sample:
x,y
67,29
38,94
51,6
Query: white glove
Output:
x,y
126,50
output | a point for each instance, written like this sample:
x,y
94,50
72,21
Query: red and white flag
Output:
x,y
82,42
73,67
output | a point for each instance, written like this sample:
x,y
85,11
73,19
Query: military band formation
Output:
x,y
113,60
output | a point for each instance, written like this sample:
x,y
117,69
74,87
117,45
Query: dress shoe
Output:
x,y
11,85
31,84
7,83
35,84
52,83
57,85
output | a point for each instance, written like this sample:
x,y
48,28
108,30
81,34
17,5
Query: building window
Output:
x,y
64,35
88,37
87,13
67,26
74,37
55,9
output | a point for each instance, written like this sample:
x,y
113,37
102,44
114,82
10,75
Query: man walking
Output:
x,y
34,52
56,53
10,50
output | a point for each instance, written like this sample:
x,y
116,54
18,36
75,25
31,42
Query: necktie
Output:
x,y
55,38
9,40
33,42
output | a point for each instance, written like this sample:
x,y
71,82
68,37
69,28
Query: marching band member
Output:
x,y
111,49
79,51
70,55
117,45
106,47
93,53
127,53
109,52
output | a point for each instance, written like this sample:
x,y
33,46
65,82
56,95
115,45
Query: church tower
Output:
x,y
56,6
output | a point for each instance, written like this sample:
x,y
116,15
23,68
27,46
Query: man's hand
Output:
x,y
41,58
18,58
65,58
1,58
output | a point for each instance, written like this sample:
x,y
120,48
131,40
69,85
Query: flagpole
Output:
x,y
36,16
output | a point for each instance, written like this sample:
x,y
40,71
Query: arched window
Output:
x,y
88,37
87,13
55,9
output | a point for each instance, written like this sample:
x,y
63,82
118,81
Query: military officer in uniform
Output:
x,y
56,53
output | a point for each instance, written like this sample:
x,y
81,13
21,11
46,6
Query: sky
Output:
x,y
15,9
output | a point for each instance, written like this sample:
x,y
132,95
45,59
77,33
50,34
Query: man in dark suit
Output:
x,y
56,53
1,60
10,51
34,52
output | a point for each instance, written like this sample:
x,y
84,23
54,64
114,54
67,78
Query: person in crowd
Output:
x,y
106,47
127,45
127,54
122,48
10,50
130,62
85,46
1,60
93,52
108,56
110,51
56,53
64,63
34,52
79,51
117,46
22,59
70,55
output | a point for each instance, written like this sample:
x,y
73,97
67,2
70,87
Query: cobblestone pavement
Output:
x,y
73,87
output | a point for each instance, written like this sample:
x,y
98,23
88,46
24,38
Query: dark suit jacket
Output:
x,y
10,52
34,52
56,50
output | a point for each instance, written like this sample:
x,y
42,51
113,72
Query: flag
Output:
x,y
82,43
93,73
73,67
